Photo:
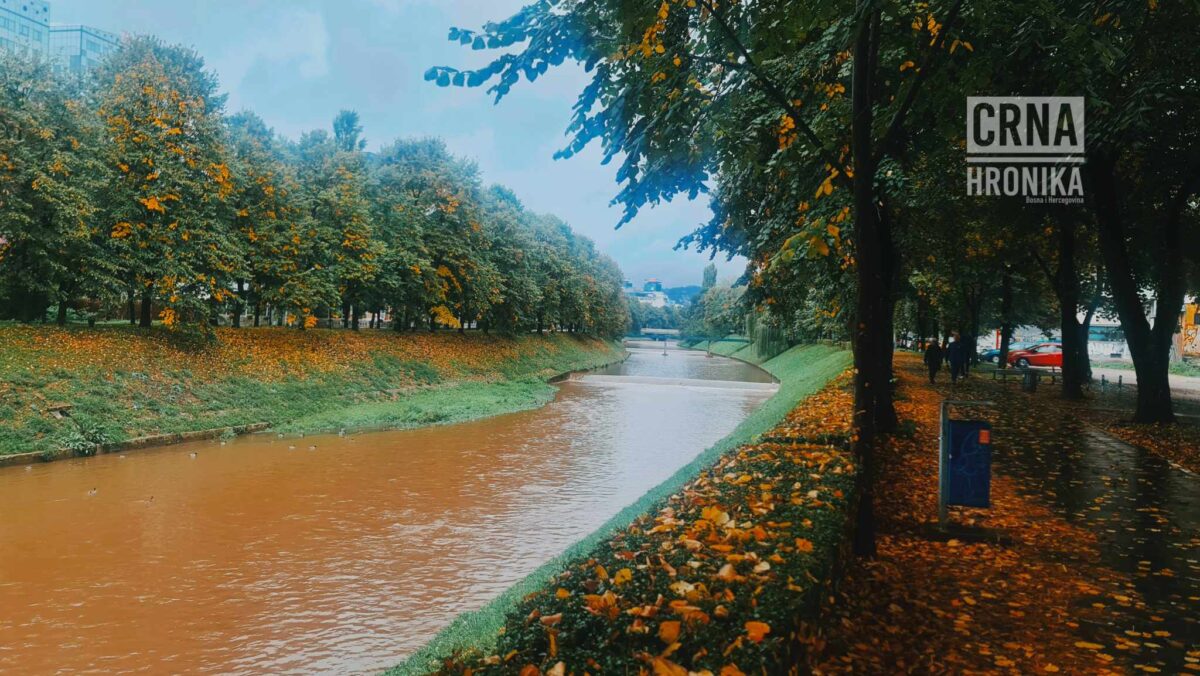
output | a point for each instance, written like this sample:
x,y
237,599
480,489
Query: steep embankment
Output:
x,y
73,388
601,607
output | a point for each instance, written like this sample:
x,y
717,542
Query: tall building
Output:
x,y
78,48
25,26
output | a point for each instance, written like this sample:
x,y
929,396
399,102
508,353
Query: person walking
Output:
x,y
933,359
956,354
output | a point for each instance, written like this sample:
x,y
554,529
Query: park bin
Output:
x,y
969,461
1029,380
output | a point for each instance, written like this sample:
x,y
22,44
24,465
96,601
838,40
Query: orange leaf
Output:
x,y
757,630
669,631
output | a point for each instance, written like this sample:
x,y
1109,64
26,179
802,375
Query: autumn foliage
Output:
x,y
710,581
128,383
1031,595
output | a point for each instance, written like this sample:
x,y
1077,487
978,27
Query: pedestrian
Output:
x,y
956,354
933,359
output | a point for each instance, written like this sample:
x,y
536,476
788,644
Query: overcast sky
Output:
x,y
297,62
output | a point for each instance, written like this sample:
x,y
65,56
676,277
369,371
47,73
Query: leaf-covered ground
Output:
x,y
711,582
1088,562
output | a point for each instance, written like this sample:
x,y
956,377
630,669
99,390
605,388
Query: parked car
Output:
x,y
993,355
1042,354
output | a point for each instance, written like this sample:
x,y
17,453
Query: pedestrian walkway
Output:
x,y
1087,562
1189,384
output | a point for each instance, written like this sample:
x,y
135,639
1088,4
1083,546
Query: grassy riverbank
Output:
x,y
120,383
588,599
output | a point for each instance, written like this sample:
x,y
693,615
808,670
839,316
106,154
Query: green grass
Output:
x,y
801,371
439,406
122,383
1179,368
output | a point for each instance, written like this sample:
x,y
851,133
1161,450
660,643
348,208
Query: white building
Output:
x,y
25,26
652,293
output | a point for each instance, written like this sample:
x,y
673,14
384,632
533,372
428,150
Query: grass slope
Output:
x,y
801,371
123,383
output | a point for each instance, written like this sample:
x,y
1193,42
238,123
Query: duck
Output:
x,y
92,492
193,455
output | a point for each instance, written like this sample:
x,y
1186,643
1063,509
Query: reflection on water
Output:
x,y
264,555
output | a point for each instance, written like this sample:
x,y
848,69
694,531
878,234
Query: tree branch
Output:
x,y
770,88
928,63
1050,275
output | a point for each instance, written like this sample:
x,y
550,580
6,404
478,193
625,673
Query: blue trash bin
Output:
x,y
969,463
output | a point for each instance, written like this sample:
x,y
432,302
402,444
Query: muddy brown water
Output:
x,y
262,555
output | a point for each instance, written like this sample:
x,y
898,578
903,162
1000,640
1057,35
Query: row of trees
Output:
x,y
831,136
132,189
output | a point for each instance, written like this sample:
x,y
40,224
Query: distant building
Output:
x,y
25,26
651,293
79,48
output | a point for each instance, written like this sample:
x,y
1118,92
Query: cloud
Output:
x,y
296,37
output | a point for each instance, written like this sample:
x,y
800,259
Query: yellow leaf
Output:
x,y
624,575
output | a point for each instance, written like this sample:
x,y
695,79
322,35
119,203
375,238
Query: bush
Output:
x,y
83,441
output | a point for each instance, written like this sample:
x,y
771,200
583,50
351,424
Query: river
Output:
x,y
329,553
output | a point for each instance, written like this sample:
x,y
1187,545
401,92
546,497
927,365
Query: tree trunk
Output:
x,y
345,315
1006,320
61,319
132,312
238,305
257,312
1150,347
869,382
1074,342
146,317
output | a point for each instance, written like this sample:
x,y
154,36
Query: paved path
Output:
x,y
1145,513
1129,376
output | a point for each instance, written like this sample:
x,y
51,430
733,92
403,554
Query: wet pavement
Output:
x,y
1145,513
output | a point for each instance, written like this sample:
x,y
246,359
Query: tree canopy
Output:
x,y
131,191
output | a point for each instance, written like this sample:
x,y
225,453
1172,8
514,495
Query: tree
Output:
x,y
167,180
663,74
335,181
51,248
1143,168
347,132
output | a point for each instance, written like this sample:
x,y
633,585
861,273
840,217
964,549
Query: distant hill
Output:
x,y
683,295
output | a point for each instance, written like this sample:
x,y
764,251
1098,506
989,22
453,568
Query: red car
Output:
x,y
1042,354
